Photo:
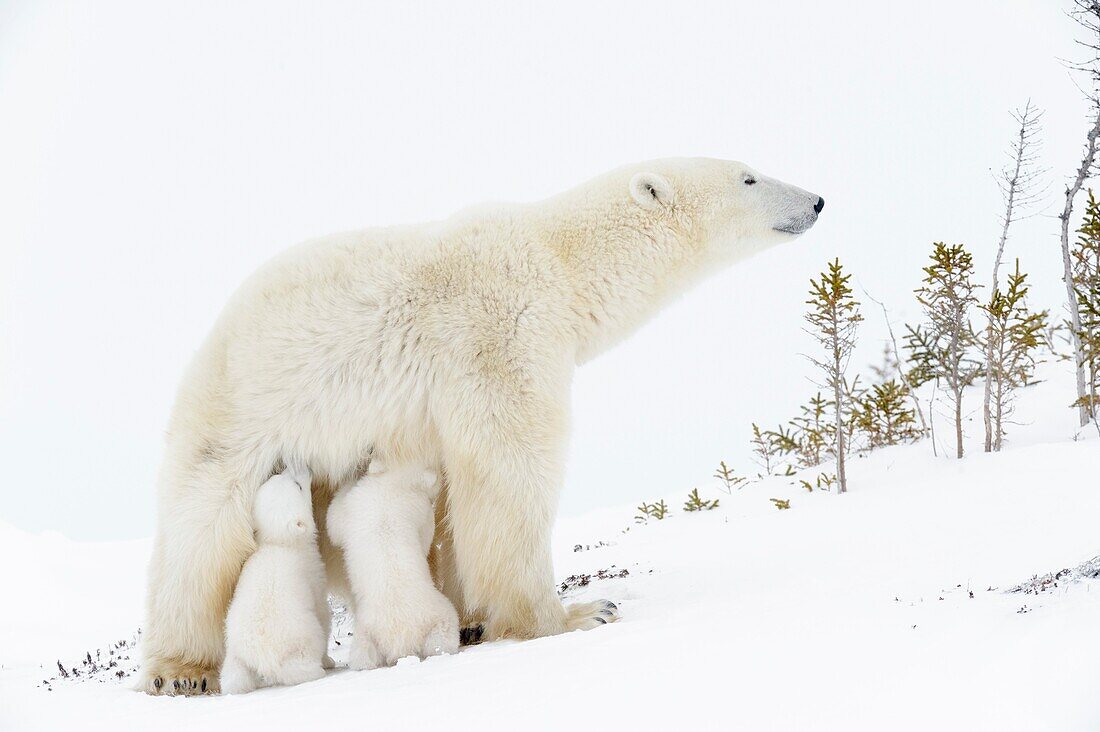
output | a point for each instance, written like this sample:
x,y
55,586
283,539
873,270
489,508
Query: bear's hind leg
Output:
x,y
204,536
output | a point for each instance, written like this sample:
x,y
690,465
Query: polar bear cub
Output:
x,y
384,523
276,630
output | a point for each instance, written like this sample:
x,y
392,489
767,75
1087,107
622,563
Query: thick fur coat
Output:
x,y
384,524
276,630
450,343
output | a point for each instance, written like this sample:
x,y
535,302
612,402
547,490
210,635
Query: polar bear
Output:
x,y
276,630
384,524
451,343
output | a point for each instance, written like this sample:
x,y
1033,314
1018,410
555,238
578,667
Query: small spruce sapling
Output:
x,y
1013,334
1086,13
833,320
729,478
814,433
695,503
943,349
882,416
1085,270
764,449
648,511
824,482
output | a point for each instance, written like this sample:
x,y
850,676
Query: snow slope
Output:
x,y
850,612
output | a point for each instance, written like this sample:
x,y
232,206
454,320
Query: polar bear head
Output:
x,y
637,236
282,511
729,209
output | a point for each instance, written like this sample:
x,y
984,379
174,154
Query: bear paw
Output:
x,y
471,635
589,615
172,678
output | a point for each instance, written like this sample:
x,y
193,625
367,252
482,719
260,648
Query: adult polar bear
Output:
x,y
451,343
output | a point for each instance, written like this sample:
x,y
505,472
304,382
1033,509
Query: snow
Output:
x,y
845,612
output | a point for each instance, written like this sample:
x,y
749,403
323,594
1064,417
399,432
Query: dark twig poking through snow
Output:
x,y
574,581
112,664
1050,581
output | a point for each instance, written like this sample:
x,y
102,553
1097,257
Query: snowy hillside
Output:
x,y
888,608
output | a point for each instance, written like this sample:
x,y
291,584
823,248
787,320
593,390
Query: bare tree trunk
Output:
x,y
841,473
999,422
931,420
1016,183
954,382
958,423
1083,172
996,274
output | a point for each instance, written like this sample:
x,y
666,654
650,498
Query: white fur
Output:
x,y
276,630
451,343
384,524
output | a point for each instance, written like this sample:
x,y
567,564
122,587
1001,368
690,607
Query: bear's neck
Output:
x,y
622,268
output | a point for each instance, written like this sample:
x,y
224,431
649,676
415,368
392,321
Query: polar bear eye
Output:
x,y
749,181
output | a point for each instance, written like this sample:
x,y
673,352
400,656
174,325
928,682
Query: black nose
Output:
x,y
819,205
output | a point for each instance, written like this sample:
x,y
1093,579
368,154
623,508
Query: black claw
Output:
x,y
471,636
204,686
610,605
608,613
157,683
176,685
600,620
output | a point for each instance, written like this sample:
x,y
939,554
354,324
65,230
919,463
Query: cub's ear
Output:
x,y
651,190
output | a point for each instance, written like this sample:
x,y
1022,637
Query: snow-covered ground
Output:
x,y
887,608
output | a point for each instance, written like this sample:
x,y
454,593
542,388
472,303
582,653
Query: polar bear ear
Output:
x,y
651,190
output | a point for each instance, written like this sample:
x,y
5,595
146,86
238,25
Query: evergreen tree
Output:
x,y
1086,288
695,503
764,449
943,348
728,476
833,319
881,415
1012,335
813,434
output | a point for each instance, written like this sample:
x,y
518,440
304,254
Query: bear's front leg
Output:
x,y
504,458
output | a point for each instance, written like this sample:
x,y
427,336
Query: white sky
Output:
x,y
153,154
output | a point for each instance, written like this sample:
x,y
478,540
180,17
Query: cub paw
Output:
x,y
442,639
589,615
364,654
